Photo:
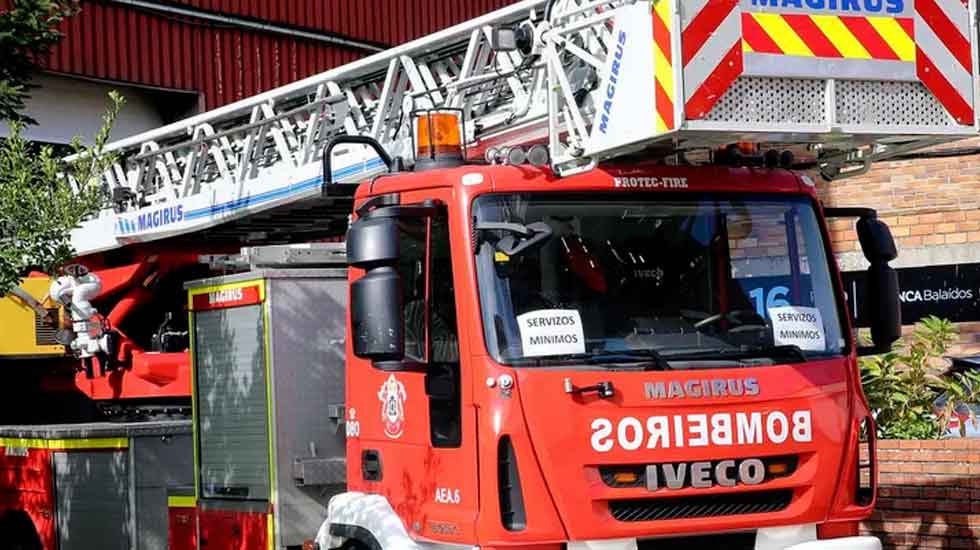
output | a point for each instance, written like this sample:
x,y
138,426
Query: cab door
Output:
x,y
411,422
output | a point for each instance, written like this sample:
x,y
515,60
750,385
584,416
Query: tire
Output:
x,y
17,531
354,544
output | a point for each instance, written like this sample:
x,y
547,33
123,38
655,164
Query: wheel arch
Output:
x,y
368,519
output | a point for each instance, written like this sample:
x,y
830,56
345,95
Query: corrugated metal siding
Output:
x,y
119,43
386,21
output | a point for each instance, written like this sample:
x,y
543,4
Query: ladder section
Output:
x,y
851,82
266,151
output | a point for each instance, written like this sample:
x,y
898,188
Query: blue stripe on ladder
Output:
x,y
297,188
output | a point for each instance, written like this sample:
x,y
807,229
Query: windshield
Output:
x,y
570,277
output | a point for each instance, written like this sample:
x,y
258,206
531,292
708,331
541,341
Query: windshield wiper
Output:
x,y
627,356
651,356
796,354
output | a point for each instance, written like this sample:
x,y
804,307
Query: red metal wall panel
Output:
x,y
114,42
27,487
231,530
182,528
387,21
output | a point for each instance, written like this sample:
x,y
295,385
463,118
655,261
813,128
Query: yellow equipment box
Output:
x,y
26,333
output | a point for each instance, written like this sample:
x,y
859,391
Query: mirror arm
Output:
x,y
379,201
540,233
850,212
405,365
424,209
355,140
864,351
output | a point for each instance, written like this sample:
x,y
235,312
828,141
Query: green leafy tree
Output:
x,y
28,30
902,387
42,197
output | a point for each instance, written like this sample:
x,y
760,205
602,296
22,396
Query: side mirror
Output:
x,y
377,327
876,240
884,308
376,316
377,298
884,311
373,242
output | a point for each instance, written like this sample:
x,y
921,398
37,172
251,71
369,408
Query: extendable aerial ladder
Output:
x,y
850,83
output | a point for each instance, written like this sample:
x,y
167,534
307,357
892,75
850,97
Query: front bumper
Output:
x,y
847,543
799,537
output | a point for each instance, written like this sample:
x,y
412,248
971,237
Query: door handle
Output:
x,y
371,465
604,390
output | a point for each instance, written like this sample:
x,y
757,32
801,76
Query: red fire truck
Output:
x,y
591,297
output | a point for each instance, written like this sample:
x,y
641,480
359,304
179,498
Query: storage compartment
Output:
x,y
232,410
268,363
87,486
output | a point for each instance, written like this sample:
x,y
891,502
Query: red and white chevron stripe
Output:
x,y
943,56
712,52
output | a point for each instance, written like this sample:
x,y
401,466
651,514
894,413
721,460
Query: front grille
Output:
x,y
639,473
44,333
734,504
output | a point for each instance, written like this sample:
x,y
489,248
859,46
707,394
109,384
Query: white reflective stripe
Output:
x,y
611,544
690,9
957,13
943,59
712,52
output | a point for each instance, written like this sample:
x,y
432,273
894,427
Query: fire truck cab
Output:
x,y
637,352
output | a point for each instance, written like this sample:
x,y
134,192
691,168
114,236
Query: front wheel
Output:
x,y
354,544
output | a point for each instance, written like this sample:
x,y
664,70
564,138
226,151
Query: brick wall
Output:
x,y
926,202
925,227
932,206
929,495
